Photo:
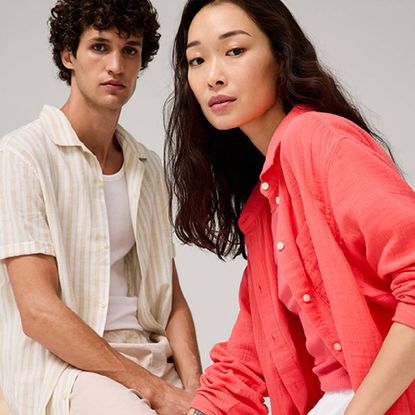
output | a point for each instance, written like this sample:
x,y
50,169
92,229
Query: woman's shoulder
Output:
x,y
314,135
311,126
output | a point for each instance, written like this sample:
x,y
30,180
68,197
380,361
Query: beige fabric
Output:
x,y
333,403
94,394
3,405
52,202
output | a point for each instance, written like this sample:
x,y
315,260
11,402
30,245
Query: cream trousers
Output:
x,y
94,394
333,403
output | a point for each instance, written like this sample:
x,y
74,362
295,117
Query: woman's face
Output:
x,y
232,70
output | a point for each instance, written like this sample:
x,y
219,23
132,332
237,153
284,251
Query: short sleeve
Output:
x,y
24,227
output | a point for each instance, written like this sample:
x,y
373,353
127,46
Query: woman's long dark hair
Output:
x,y
211,173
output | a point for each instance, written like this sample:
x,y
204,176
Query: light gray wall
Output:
x,y
368,45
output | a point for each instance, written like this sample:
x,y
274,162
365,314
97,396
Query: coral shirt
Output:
x,y
331,374
345,244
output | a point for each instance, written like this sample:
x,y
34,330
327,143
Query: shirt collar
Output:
x,y
268,176
279,134
62,134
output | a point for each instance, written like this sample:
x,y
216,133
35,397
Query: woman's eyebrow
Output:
x,y
223,36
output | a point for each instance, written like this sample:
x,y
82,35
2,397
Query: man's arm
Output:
x,y
47,320
182,337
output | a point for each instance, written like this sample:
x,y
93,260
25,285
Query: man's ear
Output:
x,y
67,58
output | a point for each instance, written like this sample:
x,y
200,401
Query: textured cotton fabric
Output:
x,y
331,374
346,247
52,202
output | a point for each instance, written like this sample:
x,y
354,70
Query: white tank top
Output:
x,y
122,310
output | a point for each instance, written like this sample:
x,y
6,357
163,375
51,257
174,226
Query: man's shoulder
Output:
x,y
24,139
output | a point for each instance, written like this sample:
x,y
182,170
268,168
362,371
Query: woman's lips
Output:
x,y
220,102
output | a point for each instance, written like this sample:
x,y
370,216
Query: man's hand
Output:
x,y
172,401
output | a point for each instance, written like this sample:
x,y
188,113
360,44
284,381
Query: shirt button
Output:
x,y
277,200
103,304
337,346
265,186
280,246
306,298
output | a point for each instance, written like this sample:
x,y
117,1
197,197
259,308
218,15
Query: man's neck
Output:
x,y
95,127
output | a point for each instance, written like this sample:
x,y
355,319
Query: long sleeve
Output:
x,y
234,383
375,208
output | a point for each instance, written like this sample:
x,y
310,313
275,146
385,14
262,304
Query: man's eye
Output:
x,y
235,52
99,47
130,51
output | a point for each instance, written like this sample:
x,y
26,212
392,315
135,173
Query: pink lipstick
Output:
x,y
220,102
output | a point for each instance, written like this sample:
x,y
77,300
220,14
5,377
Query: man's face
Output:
x,y
105,69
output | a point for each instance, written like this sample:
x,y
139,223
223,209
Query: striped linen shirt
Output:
x,y
52,202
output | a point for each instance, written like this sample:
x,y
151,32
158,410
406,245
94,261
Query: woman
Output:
x,y
327,301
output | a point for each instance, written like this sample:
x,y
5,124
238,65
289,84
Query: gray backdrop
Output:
x,y
368,44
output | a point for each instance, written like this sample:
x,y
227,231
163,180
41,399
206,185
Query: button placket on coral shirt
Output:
x,y
306,297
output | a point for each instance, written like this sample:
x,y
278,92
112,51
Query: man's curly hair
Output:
x,y
69,19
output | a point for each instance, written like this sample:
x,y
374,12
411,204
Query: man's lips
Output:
x,y
114,84
220,99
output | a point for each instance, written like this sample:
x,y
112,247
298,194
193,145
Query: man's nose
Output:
x,y
115,63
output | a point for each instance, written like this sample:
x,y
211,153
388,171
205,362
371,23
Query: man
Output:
x,y
91,311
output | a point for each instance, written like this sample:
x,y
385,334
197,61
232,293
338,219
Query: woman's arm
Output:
x,y
374,207
392,372
235,380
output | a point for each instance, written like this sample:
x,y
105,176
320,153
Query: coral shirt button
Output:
x,y
337,346
277,200
265,186
280,246
306,298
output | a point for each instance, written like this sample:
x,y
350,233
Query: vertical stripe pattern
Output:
x,y
52,202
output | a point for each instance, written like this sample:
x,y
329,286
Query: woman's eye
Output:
x,y
235,52
196,61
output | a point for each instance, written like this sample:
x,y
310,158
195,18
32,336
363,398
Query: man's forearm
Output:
x,y
392,372
63,333
182,337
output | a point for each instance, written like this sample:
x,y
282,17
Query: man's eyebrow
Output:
x,y
100,39
221,37
135,43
